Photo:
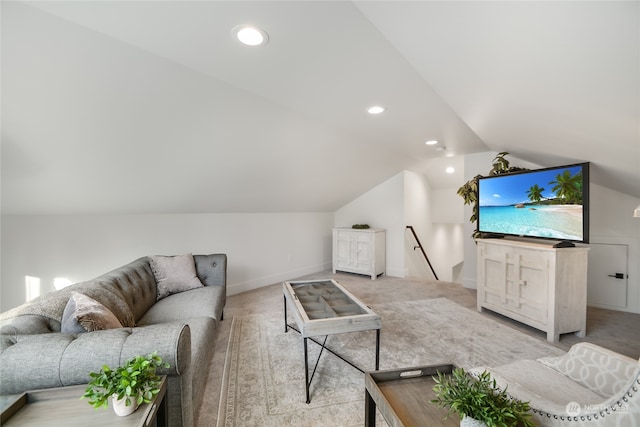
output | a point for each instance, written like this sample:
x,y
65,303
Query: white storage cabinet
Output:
x,y
359,251
534,283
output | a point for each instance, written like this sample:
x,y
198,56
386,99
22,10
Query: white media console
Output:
x,y
534,283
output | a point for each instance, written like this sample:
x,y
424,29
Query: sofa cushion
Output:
x,y
84,314
201,302
594,367
530,381
29,324
174,274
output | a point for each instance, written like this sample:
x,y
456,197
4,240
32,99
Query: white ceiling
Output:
x,y
151,107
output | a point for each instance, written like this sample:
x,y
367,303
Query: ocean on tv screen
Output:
x,y
545,203
554,221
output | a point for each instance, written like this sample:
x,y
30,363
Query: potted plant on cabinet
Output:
x,y
469,190
129,385
479,401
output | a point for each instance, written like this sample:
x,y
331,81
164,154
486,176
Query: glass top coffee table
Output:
x,y
323,308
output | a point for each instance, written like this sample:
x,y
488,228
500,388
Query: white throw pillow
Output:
x,y
174,274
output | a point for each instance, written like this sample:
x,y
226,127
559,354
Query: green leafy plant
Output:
x,y
480,398
136,380
360,226
469,190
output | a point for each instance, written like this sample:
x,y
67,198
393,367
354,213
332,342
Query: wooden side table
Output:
x,y
403,397
63,407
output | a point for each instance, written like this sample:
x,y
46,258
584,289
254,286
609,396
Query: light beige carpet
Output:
x,y
263,382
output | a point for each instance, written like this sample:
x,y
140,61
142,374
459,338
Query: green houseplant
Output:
x,y
469,190
481,399
135,382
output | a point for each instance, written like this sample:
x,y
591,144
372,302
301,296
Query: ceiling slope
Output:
x,y
151,107
549,82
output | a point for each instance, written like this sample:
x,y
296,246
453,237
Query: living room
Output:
x,y
121,140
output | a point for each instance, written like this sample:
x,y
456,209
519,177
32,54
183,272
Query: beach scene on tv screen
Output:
x,y
546,203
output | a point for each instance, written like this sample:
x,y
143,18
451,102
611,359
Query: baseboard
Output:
x,y
401,273
470,283
236,288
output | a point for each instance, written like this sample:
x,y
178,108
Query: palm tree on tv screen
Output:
x,y
568,187
535,193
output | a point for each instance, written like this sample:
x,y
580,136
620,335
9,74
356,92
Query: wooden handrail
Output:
x,y
410,227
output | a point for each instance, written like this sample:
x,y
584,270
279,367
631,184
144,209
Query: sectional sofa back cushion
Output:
x,y
135,284
128,292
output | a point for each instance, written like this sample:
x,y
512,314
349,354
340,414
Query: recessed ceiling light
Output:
x,y
375,109
431,142
449,170
251,36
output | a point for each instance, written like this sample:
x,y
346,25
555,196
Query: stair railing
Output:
x,y
419,245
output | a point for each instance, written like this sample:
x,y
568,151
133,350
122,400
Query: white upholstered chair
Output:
x,y
588,386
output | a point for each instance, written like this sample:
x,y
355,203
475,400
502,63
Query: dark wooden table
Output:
x,y
63,407
403,397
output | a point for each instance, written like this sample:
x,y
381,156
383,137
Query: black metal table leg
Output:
x,y
369,410
286,323
306,370
377,349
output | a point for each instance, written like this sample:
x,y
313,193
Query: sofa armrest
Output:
x,y
54,360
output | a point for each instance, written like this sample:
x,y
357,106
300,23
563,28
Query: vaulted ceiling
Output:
x,y
152,107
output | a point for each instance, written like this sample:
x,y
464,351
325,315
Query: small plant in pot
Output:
x,y
129,385
469,190
479,399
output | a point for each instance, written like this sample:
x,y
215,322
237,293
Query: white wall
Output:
x,y
263,248
402,200
417,194
448,232
381,207
611,222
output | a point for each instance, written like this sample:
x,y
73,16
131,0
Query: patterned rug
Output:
x,y
263,383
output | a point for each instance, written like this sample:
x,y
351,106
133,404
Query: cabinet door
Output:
x,y
531,280
494,288
343,249
362,256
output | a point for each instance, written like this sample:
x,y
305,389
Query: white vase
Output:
x,y
120,407
471,422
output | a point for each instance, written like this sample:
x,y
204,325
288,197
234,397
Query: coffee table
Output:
x,y
63,407
403,397
324,307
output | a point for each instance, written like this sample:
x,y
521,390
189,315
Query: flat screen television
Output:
x,y
550,203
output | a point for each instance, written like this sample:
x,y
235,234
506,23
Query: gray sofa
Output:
x,y
34,354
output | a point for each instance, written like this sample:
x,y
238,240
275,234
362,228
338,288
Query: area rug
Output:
x,y
263,383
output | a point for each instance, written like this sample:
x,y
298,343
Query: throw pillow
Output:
x,y
174,274
84,314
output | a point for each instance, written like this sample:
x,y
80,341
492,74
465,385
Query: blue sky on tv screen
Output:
x,y
511,189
